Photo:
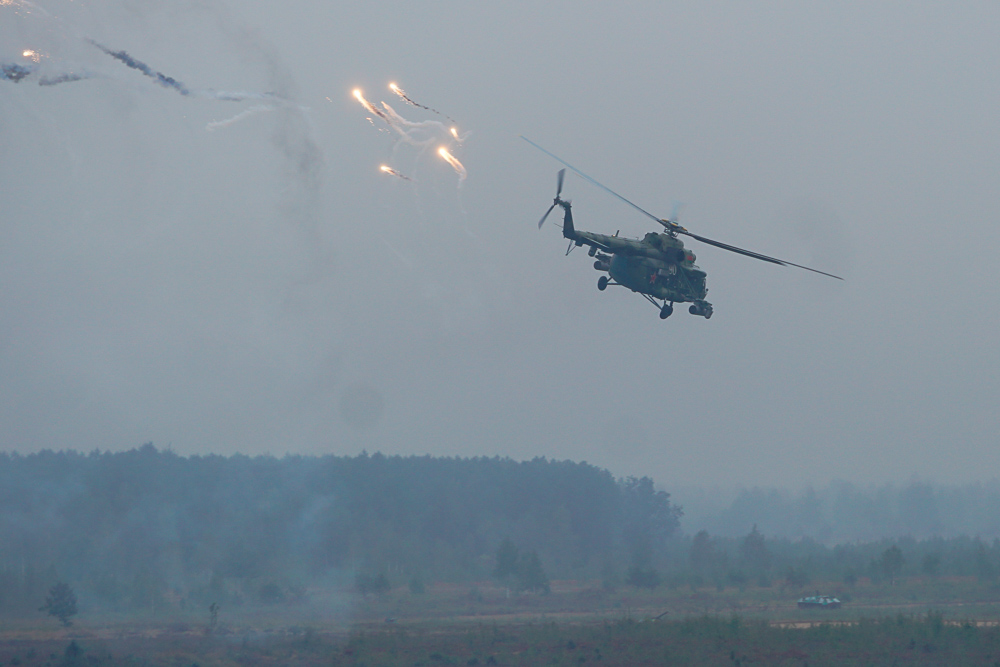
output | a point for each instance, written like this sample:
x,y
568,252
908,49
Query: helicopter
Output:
x,y
657,266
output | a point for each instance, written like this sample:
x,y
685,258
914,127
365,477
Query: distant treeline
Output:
x,y
147,528
132,526
757,560
842,512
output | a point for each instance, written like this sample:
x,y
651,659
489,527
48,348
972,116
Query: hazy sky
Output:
x,y
262,287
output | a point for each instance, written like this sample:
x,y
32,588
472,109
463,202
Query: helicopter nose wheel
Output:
x,y
602,283
666,311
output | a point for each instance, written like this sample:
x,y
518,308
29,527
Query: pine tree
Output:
x,y
892,563
61,603
754,553
531,575
507,557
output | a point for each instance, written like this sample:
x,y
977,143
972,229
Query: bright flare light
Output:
x,y
389,170
368,106
453,161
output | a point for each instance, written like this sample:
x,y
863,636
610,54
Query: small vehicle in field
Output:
x,y
819,602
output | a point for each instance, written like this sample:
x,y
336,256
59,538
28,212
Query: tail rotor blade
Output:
x,y
542,221
559,183
588,178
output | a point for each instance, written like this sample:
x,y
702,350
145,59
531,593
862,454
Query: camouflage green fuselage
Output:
x,y
658,265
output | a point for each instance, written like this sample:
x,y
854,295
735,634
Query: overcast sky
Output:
x,y
262,287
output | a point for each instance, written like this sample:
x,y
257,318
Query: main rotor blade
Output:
x,y
673,224
755,255
542,221
600,185
559,182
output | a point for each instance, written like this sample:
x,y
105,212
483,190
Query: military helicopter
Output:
x,y
658,266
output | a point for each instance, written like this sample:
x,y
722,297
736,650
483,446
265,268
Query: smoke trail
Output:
x,y
14,72
389,170
63,78
159,77
369,107
238,96
399,91
424,124
292,133
246,113
170,82
455,164
453,130
420,134
408,131
436,130
412,135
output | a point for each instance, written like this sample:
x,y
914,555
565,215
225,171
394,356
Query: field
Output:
x,y
916,622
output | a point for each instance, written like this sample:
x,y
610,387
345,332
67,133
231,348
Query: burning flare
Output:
x,y
402,94
389,170
421,134
453,161
368,105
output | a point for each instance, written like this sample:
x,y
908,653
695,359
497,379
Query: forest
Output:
x,y
139,527
147,528
841,511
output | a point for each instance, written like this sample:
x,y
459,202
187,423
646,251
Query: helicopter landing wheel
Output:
x,y
602,283
666,311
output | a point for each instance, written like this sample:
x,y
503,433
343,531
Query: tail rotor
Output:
x,y
556,201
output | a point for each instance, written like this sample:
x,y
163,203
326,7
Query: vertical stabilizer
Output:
x,y
569,231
